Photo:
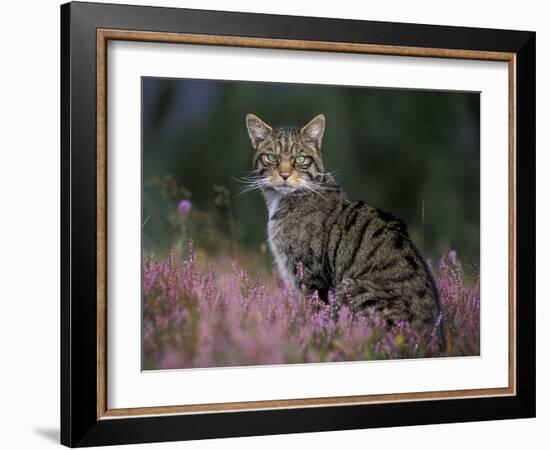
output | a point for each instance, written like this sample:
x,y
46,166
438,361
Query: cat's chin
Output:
x,y
284,189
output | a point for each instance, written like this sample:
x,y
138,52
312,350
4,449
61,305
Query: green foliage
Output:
x,y
414,153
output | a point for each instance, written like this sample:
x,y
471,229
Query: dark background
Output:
x,y
411,152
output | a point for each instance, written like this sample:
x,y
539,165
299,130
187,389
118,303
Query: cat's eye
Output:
x,y
270,157
301,160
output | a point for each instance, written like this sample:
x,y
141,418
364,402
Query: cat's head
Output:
x,y
287,159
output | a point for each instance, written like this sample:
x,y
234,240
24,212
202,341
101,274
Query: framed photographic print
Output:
x,y
276,224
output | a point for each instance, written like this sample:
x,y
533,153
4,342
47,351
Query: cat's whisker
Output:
x,y
244,191
313,188
318,188
251,182
249,179
253,186
331,173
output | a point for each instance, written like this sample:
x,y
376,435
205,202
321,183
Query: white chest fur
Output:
x,y
276,246
276,243
273,204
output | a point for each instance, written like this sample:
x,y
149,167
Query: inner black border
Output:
x,y
79,424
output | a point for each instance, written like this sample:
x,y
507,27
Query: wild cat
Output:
x,y
361,253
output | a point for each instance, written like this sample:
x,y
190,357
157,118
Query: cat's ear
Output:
x,y
257,129
314,130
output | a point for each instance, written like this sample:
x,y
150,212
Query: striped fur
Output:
x,y
361,253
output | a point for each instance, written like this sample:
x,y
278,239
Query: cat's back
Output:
x,y
368,240
352,239
372,248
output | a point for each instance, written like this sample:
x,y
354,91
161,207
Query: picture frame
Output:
x,y
86,29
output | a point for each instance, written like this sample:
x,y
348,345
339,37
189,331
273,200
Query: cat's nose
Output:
x,y
284,175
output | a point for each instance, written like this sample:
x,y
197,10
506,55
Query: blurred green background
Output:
x,y
411,152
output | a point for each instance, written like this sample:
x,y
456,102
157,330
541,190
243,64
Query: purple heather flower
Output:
x,y
184,206
223,316
453,257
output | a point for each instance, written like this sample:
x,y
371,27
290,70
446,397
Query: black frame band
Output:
x,y
79,423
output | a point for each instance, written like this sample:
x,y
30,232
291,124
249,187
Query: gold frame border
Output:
x,y
103,36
